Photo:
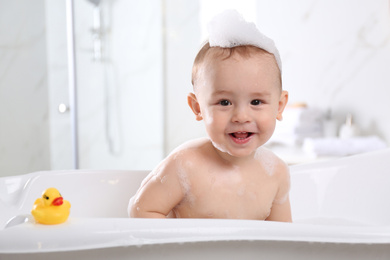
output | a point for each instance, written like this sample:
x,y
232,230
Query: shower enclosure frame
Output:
x,y
72,81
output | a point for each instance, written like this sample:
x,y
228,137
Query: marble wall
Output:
x,y
335,54
120,97
132,103
24,119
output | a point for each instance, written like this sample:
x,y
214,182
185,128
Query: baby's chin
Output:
x,y
236,153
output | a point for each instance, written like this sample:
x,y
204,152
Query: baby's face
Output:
x,y
240,99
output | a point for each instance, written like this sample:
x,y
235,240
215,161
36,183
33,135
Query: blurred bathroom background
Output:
x,y
133,66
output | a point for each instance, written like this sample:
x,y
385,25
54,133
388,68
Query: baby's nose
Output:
x,y
241,115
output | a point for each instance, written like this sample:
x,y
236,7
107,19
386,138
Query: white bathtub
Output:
x,y
341,210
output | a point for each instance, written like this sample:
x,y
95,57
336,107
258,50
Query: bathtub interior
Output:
x,y
92,194
352,189
349,191
326,198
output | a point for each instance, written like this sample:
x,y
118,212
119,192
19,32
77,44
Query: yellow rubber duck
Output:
x,y
51,208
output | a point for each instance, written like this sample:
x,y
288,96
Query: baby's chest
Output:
x,y
234,199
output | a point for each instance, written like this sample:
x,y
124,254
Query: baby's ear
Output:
x,y
282,104
194,105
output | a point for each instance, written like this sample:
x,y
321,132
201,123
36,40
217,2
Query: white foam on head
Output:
x,y
229,29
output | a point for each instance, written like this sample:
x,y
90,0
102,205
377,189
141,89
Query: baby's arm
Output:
x,y
281,210
159,193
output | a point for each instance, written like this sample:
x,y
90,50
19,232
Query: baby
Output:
x,y
238,95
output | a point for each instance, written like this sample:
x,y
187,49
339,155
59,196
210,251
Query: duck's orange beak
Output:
x,y
57,201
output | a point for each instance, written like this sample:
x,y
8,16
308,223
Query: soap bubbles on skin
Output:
x,y
185,183
163,179
267,159
220,147
207,118
282,200
229,29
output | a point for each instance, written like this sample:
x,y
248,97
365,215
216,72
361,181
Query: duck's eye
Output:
x,y
45,197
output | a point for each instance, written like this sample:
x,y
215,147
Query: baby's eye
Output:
x,y
225,102
255,102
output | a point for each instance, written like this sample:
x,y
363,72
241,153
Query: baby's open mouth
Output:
x,y
241,135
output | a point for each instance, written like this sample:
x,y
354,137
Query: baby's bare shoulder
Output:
x,y
272,163
188,155
191,151
177,165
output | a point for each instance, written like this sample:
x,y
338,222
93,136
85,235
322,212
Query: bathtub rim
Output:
x,y
122,232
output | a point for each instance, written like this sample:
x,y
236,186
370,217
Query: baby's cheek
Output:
x,y
268,118
208,117
267,124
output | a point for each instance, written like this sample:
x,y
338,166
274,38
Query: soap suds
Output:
x,y
185,184
229,29
267,159
163,179
207,117
220,147
282,200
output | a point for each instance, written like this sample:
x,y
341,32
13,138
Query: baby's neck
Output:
x,y
234,160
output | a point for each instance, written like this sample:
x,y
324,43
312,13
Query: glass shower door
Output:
x,y
118,48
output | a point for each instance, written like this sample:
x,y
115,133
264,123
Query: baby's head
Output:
x,y
238,91
207,55
230,36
